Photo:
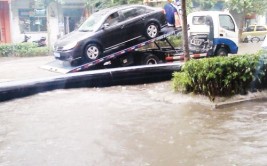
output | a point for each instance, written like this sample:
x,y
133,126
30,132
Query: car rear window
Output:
x,y
261,28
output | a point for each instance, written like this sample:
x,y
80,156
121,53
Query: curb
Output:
x,y
96,78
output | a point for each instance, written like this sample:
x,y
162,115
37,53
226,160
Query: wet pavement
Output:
x,y
14,68
129,125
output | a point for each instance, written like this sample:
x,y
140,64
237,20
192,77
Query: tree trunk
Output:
x,y
185,34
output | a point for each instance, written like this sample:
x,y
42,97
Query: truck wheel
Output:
x,y
255,40
150,59
92,51
222,52
152,30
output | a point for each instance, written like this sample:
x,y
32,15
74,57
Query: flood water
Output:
x,y
129,126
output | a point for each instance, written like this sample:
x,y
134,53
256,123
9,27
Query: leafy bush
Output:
x,y
222,76
22,50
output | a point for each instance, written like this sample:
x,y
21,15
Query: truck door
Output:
x,y
228,28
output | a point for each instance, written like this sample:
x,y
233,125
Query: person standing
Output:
x,y
172,15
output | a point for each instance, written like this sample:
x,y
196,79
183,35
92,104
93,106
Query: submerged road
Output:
x,y
129,126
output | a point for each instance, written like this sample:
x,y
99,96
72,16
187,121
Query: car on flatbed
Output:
x,y
109,29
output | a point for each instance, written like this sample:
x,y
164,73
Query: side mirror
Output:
x,y
105,25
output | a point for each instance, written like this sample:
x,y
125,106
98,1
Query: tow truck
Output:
x,y
211,33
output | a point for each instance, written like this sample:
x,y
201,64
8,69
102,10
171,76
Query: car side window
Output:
x,y
227,22
250,29
131,13
141,11
113,19
261,28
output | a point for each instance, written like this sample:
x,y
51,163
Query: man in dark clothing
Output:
x,y
170,11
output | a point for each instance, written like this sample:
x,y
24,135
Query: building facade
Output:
x,y
28,17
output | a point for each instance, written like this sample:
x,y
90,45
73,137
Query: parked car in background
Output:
x,y
254,33
108,29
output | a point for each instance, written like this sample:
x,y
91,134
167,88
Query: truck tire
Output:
x,y
149,59
222,52
152,30
92,52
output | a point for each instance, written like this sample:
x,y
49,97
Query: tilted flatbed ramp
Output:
x,y
64,67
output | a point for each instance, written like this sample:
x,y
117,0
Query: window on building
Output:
x,y
32,20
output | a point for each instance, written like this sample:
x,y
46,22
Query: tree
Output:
x,y
185,34
204,4
245,7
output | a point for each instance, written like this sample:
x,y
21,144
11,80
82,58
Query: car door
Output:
x,y
133,19
228,28
111,35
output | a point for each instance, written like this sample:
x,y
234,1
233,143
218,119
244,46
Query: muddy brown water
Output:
x,y
129,126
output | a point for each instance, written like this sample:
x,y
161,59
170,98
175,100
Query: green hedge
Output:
x,y
222,76
22,50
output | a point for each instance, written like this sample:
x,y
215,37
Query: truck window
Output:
x,y
227,22
199,20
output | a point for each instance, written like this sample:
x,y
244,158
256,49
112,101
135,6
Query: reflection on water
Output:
x,y
128,126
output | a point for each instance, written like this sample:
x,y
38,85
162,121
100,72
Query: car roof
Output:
x,y
117,8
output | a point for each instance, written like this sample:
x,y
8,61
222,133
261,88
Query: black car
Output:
x,y
108,29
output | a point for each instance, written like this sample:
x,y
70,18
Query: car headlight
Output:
x,y
70,46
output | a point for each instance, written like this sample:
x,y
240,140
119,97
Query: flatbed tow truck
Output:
x,y
204,40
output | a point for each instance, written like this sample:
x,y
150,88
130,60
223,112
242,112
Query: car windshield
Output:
x,y
92,23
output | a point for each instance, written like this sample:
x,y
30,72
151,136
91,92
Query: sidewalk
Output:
x,y
15,68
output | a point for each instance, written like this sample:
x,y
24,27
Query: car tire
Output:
x,y
92,52
255,40
245,40
149,59
152,30
222,52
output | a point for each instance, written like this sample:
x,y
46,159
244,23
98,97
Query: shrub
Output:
x,y
22,50
222,76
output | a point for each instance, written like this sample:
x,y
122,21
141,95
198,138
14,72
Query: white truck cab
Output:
x,y
218,28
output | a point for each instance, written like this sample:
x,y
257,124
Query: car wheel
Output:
x,y
150,59
222,52
245,40
152,30
92,51
255,40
